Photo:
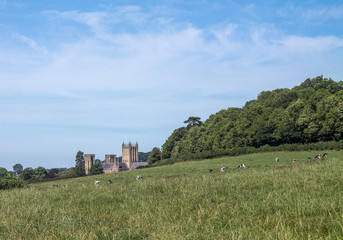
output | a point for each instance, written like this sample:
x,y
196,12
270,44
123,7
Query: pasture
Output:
x,y
265,200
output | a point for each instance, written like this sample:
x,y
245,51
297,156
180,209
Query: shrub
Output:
x,y
11,182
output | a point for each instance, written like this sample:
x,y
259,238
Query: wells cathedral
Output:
x,y
111,163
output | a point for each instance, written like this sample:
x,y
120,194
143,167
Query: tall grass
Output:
x,y
266,200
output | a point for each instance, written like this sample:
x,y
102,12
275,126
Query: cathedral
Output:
x,y
111,163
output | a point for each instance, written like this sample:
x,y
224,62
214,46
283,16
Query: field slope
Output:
x,y
266,200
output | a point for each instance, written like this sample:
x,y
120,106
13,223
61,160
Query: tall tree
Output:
x,y
155,155
193,121
39,172
79,164
18,168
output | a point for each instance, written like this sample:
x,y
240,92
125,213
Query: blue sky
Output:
x,y
88,75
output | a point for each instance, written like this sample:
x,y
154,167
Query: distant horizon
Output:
x,y
88,75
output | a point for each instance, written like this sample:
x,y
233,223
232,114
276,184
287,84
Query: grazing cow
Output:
x,y
308,159
222,168
139,177
318,156
241,166
276,159
97,182
109,181
293,161
211,171
55,185
325,155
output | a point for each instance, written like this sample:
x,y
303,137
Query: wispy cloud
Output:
x,y
324,13
31,43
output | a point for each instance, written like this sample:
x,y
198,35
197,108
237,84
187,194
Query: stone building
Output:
x,y
129,154
111,163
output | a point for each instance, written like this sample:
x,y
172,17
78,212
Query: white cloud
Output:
x,y
298,44
177,57
31,43
323,12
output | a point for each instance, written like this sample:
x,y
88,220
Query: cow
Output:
x,y
325,155
276,159
211,171
293,161
241,166
109,181
97,182
222,168
308,159
139,177
318,156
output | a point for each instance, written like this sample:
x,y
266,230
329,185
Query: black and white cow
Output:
x,y
277,159
97,182
222,168
318,156
139,177
241,166
325,155
308,159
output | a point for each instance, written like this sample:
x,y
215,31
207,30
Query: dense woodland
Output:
x,y
309,113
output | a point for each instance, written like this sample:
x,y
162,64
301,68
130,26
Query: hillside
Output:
x,y
265,200
308,113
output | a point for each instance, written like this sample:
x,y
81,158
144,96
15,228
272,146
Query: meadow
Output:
x,y
265,200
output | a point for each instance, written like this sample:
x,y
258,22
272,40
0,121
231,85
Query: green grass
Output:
x,y
266,200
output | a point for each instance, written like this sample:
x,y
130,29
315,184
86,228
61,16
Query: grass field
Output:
x,y
266,200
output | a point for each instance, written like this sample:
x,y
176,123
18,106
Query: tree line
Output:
x,y
19,177
309,113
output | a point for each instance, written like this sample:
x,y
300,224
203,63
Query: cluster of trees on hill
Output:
x,y
309,113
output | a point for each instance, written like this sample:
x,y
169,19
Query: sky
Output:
x,y
91,74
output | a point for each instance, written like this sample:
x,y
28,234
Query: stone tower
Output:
x,y
129,154
89,160
110,158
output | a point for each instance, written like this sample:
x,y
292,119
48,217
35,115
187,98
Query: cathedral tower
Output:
x,y
129,154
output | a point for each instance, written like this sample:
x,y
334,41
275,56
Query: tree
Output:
x,y
193,121
27,174
143,157
97,161
96,169
79,164
172,141
18,168
3,172
155,155
68,173
39,172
